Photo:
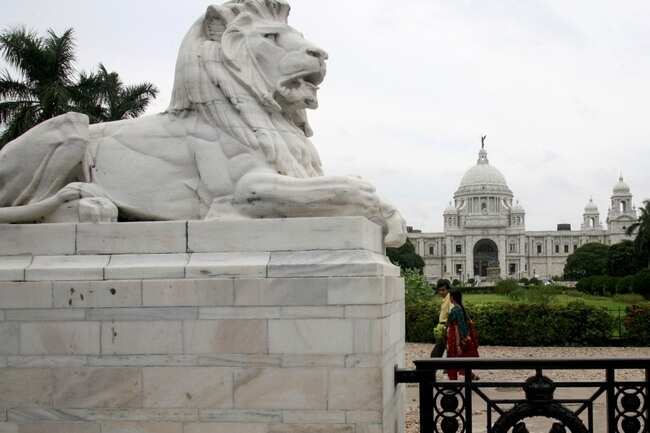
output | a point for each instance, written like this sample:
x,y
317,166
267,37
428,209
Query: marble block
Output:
x,y
12,268
132,238
226,265
42,239
146,266
271,235
66,268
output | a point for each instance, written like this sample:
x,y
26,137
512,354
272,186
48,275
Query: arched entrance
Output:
x,y
486,257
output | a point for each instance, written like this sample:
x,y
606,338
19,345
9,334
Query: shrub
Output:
x,y
574,324
625,285
524,281
637,325
505,287
519,294
535,281
642,283
585,285
421,319
416,287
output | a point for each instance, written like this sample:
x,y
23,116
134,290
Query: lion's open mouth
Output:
x,y
300,90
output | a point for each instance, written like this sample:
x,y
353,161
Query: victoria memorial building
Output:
x,y
485,235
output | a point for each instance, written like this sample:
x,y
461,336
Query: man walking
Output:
x,y
442,289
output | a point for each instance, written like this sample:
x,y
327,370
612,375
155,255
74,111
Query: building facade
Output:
x,y
485,236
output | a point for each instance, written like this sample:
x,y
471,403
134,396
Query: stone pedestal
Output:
x,y
269,326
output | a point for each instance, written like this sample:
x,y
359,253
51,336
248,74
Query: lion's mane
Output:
x,y
222,83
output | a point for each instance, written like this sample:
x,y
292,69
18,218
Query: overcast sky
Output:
x,y
561,88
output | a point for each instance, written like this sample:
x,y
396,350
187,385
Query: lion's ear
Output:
x,y
216,22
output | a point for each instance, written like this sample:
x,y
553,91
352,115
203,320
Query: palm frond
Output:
x,y
23,50
61,54
11,88
11,109
23,120
135,99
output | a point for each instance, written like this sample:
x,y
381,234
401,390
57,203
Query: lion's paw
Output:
x,y
97,210
396,231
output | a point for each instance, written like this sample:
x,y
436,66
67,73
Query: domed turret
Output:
x,y
621,188
591,207
591,217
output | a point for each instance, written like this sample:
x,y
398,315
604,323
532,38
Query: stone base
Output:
x,y
270,326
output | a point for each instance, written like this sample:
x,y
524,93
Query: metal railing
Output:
x,y
446,406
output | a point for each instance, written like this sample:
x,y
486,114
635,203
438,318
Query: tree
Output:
x,y
46,78
623,260
642,230
406,257
46,85
587,261
105,98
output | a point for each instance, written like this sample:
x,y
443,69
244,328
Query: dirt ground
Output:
x,y
422,351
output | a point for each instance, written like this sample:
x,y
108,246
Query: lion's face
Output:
x,y
265,54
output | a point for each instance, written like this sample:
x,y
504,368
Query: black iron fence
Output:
x,y
446,406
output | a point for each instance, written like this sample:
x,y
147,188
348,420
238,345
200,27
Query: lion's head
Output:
x,y
247,71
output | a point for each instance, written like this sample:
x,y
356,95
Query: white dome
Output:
x,y
591,207
483,177
621,187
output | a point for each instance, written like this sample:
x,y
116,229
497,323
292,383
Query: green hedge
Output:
x,y
603,285
574,324
637,325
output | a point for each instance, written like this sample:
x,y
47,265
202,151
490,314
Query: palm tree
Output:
x,y
47,85
42,88
642,230
119,101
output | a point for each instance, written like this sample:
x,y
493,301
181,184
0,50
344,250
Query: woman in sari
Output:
x,y
462,339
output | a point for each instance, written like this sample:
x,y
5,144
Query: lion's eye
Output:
x,y
272,36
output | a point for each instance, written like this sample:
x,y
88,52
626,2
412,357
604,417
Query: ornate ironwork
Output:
x,y
446,406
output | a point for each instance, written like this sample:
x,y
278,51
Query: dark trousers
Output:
x,y
439,349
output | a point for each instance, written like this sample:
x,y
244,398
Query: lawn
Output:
x,y
611,303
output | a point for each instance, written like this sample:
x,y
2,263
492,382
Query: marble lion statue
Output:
x,y
234,142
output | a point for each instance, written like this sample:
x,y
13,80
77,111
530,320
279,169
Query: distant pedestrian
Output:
x,y
462,338
442,289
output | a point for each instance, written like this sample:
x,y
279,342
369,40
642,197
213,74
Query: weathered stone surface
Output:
x,y
97,387
311,336
141,314
25,387
149,266
323,312
225,336
241,416
311,428
104,294
43,414
188,293
132,238
313,417
26,295
355,389
59,427
59,338
48,361
141,360
343,263
240,313
142,427
199,387
356,291
273,388
12,268
368,336
45,315
227,265
239,360
8,339
142,338
225,428
284,292
66,268
43,239
362,416
292,361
